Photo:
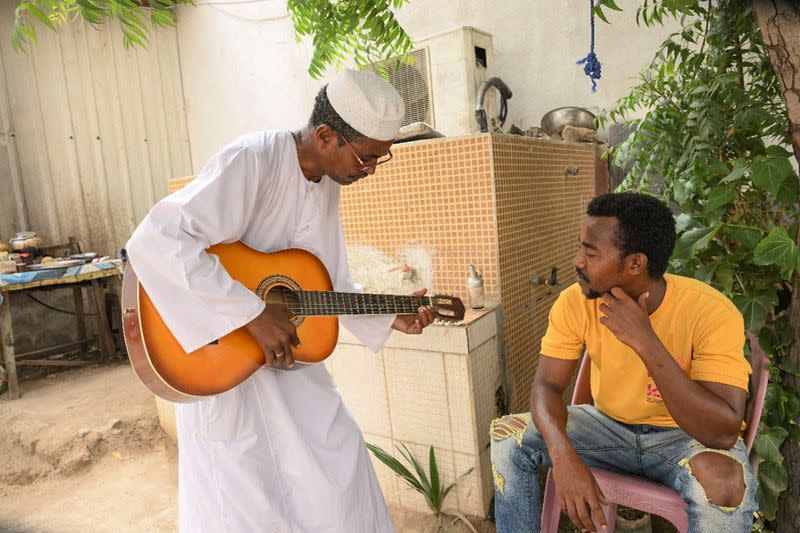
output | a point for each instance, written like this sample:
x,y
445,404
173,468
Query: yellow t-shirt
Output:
x,y
699,326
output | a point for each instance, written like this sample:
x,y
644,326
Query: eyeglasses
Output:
x,y
369,163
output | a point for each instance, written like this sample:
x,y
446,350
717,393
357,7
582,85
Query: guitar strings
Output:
x,y
311,303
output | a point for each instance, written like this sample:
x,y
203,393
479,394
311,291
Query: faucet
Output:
x,y
552,281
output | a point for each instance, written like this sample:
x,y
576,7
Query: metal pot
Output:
x,y
553,122
25,240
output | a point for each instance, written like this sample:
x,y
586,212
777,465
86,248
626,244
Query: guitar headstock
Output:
x,y
448,308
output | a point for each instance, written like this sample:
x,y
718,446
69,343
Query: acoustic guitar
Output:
x,y
294,278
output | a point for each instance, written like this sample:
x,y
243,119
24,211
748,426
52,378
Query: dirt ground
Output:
x,y
82,451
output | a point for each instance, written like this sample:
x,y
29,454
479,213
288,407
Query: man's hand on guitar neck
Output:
x,y
275,334
414,324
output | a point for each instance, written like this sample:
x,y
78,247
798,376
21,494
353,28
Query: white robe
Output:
x,y
280,452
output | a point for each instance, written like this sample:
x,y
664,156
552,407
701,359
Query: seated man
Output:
x,y
668,379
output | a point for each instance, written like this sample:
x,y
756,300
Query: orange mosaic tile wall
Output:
x,y
504,203
434,194
540,208
176,184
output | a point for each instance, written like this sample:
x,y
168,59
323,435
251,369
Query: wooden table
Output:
x,y
96,281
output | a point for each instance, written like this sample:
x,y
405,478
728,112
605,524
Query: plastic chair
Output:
x,y
640,493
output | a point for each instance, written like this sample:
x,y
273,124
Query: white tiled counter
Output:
x,y
437,388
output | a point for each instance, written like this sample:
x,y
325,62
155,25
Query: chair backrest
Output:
x,y
759,380
755,403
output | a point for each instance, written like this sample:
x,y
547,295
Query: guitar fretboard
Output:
x,y
351,303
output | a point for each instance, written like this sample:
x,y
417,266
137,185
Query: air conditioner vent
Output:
x,y
412,81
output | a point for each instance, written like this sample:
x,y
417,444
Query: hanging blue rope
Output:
x,y
591,66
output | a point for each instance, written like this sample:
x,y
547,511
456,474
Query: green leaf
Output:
x,y
610,4
694,240
395,465
768,444
747,237
682,222
777,150
684,190
602,16
794,430
792,403
717,198
706,272
433,493
717,169
769,173
453,484
772,479
738,171
773,396
778,249
423,478
755,309
724,277
436,488
789,367
31,8
789,193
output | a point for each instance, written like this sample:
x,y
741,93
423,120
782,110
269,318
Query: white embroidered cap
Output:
x,y
368,103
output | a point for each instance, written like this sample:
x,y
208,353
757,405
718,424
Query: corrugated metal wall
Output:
x,y
98,130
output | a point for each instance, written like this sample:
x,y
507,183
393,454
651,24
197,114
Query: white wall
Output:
x,y
240,69
257,79
536,45
98,130
241,75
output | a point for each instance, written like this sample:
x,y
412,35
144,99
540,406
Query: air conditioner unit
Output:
x,y
440,84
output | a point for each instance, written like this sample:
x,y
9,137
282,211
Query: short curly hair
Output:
x,y
324,113
645,225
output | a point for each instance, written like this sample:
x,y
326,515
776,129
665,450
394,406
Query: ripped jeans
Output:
x,y
658,453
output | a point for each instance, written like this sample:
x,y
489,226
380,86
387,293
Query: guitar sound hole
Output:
x,y
283,295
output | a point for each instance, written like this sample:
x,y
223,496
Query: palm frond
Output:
x,y
427,484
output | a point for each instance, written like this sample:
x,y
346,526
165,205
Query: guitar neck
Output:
x,y
311,303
